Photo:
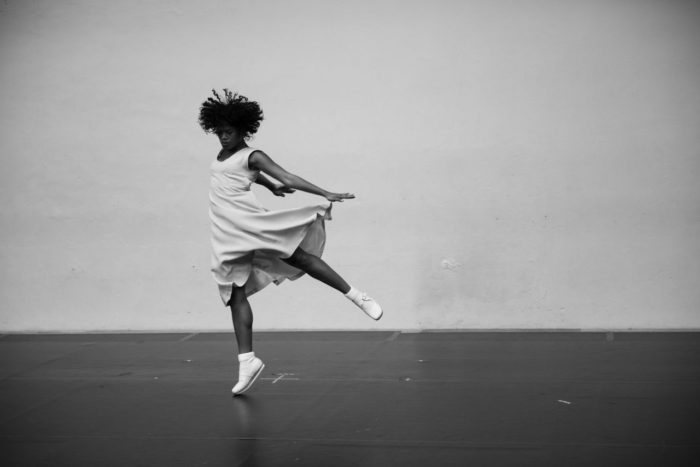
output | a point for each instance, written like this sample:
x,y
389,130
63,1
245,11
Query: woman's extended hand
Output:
x,y
280,190
338,196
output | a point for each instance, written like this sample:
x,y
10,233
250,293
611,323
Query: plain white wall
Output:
x,y
517,164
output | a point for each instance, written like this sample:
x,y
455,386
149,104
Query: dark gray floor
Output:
x,y
352,399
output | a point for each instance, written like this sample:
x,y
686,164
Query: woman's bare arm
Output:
x,y
266,182
261,161
277,190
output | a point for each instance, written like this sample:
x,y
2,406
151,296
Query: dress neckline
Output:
x,y
230,155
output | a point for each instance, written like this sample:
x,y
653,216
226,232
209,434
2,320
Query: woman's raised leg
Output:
x,y
320,270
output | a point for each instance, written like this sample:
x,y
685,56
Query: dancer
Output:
x,y
251,245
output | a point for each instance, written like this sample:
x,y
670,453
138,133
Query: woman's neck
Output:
x,y
225,153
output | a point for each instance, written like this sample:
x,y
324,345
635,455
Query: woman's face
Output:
x,y
229,136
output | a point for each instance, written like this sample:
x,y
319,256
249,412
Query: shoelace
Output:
x,y
363,298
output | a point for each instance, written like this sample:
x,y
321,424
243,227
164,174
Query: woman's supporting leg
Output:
x,y
250,366
242,316
318,269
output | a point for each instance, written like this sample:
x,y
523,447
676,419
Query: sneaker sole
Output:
x,y
255,376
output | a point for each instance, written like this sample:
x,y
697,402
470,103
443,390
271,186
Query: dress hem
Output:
x,y
226,290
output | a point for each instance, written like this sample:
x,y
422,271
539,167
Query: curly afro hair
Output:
x,y
233,109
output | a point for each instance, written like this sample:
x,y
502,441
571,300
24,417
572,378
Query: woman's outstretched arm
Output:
x,y
261,161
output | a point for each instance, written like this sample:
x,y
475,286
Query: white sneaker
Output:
x,y
248,372
369,306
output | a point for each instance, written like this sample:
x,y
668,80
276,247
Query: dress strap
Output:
x,y
245,155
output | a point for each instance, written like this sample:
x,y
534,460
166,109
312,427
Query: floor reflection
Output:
x,y
246,416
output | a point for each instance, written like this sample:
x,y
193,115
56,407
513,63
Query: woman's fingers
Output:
x,y
339,197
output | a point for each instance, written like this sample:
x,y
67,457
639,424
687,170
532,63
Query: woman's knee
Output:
x,y
238,296
300,259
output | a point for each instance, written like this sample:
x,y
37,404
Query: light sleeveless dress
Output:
x,y
248,241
